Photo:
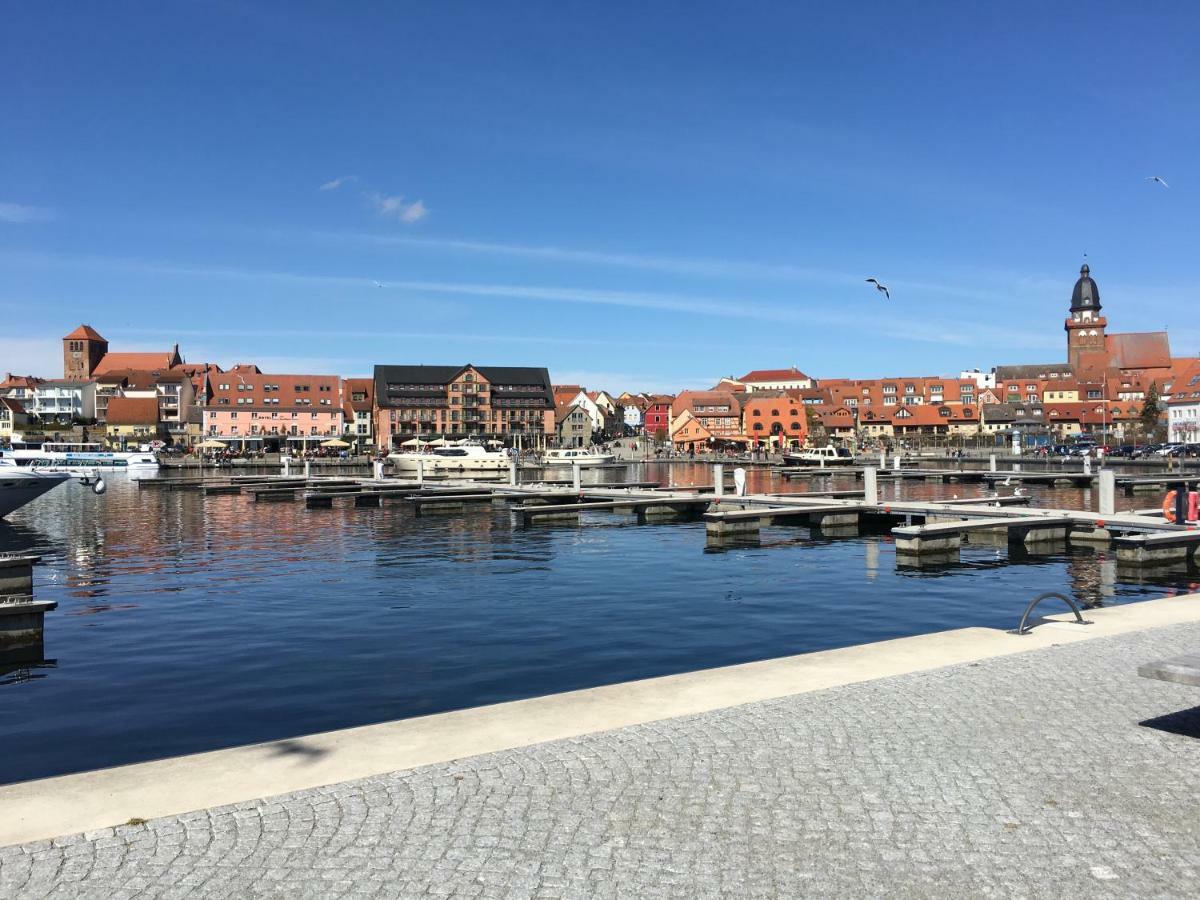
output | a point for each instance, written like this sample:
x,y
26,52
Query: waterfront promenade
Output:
x,y
1052,771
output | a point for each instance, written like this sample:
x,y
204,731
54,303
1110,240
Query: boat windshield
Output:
x,y
449,452
844,453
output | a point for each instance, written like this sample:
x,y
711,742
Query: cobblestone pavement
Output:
x,y
1026,775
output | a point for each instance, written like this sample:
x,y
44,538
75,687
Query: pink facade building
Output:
x,y
251,410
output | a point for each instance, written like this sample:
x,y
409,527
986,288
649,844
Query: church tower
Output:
x,y
1085,327
83,349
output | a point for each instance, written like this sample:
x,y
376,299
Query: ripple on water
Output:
x,y
187,624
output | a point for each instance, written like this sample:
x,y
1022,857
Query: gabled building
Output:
x,y
13,419
690,434
253,410
720,412
358,409
1183,409
774,419
18,387
504,403
775,380
573,423
132,421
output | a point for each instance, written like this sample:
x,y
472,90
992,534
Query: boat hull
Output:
x,y
18,488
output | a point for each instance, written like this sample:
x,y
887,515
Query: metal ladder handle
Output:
x,y
1079,619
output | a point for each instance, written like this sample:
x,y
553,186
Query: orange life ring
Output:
x,y
1168,507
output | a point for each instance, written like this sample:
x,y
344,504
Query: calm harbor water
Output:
x,y
187,624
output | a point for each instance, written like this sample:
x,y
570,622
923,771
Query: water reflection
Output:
x,y
187,623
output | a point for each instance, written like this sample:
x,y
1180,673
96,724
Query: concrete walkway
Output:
x,y
1024,774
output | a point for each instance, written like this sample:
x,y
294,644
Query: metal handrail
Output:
x,y
1079,619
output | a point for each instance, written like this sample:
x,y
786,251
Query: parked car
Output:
x,y
1147,451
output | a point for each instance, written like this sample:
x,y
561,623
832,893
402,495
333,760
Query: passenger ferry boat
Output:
x,y
464,457
73,457
576,456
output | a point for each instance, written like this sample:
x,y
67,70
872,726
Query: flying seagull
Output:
x,y
377,284
882,288
1159,180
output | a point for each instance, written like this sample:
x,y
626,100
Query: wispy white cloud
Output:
x,y
337,182
395,207
615,382
809,319
19,214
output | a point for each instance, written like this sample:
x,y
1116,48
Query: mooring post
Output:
x,y
1016,467
896,462
1108,492
420,471
870,486
379,470
512,470
882,458
575,480
1087,465
287,466
307,468
822,462
992,463
718,480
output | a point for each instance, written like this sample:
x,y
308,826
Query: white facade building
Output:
x,y
61,401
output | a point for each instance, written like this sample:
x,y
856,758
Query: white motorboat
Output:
x,y
820,456
576,457
74,458
19,485
465,457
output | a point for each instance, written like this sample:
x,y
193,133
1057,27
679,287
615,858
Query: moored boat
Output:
x,y
465,457
73,458
820,456
21,485
576,457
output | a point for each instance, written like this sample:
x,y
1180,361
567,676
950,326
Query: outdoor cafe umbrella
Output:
x,y
213,445
334,442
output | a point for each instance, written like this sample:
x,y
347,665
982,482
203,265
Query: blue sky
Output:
x,y
639,196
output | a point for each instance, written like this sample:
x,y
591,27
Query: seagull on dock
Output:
x,y
1157,179
882,288
1007,481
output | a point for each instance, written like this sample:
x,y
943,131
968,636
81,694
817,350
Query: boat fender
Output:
x,y
99,487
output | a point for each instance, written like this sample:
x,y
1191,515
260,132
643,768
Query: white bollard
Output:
x,y
287,466
575,480
896,462
870,486
882,458
992,463
822,462
1087,465
512,470
1108,492
307,467
1016,467
420,471
378,469
718,480
739,481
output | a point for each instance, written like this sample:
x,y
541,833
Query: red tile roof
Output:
x,y
351,386
19,381
84,333
792,374
13,405
145,362
1139,350
254,394
132,411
